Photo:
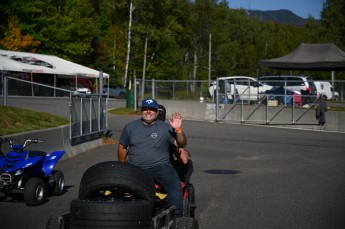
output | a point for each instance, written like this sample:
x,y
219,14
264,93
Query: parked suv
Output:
x,y
293,83
239,88
303,84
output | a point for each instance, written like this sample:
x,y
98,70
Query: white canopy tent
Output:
x,y
44,64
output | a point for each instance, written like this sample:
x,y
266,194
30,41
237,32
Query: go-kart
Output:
x,y
27,173
120,195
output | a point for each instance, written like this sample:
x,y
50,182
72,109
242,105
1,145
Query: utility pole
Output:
x,y
194,71
209,59
144,71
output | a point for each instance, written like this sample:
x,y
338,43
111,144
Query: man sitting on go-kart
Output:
x,y
145,142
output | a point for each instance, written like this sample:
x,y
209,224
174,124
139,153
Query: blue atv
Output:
x,y
29,173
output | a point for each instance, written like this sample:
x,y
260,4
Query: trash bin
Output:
x,y
130,99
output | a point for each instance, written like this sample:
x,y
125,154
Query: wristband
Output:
x,y
178,130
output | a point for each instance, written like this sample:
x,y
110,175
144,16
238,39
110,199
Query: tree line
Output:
x,y
176,39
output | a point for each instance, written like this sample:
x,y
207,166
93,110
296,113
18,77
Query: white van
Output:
x,y
325,88
239,87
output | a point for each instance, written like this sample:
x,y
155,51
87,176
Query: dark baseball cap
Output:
x,y
150,103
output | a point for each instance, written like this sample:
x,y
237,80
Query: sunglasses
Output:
x,y
148,109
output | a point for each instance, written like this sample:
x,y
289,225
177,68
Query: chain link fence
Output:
x,y
245,102
203,91
172,89
88,111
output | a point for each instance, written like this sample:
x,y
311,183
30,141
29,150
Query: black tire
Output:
x,y
186,208
35,191
185,223
191,197
55,222
191,193
113,179
110,213
59,183
189,202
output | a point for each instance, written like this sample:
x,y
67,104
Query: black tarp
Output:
x,y
325,56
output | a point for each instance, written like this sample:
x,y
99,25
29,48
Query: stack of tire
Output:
x,y
114,195
129,204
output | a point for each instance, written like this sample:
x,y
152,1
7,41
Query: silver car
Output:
x,y
114,91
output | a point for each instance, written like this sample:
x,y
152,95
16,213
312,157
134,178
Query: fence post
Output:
x,y
174,90
217,100
267,110
70,105
153,88
135,102
81,116
90,115
100,85
293,109
4,87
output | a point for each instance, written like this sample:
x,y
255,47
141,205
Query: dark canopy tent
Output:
x,y
309,57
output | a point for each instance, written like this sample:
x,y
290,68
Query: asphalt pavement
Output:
x,y
244,176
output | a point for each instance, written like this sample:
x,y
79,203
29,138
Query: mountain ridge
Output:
x,y
282,16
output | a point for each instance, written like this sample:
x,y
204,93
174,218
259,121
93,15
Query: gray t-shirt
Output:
x,y
148,144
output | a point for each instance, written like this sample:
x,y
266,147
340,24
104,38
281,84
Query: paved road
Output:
x,y
245,177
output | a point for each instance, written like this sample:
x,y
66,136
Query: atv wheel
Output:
x,y
59,183
110,213
55,222
185,223
119,180
35,191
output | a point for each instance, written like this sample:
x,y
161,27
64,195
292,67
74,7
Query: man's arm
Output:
x,y
181,139
121,153
176,123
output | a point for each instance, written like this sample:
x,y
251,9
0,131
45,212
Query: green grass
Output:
x,y
335,106
336,109
124,111
15,120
